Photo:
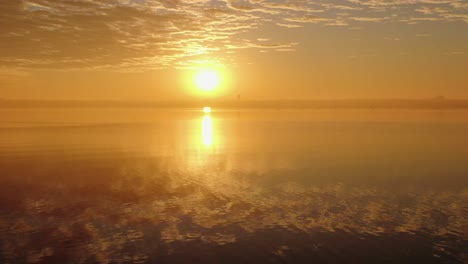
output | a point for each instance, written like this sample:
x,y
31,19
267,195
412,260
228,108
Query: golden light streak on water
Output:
x,y
207,130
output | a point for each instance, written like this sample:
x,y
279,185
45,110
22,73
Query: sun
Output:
x,y
207,79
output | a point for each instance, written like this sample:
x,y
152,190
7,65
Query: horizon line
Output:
x,y
436,103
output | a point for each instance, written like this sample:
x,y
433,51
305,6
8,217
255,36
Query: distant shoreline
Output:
x,y
371,104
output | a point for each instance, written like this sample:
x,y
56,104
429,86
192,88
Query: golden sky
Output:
x,y
265,49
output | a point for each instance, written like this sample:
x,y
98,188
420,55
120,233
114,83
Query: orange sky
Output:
x,y
267,49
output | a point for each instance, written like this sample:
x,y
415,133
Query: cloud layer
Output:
x,y
147,34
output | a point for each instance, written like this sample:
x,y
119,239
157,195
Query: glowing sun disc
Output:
x,y
207,79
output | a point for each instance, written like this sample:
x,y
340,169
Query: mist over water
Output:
x,y
185,186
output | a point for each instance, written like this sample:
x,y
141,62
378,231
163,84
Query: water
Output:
x,y
184,186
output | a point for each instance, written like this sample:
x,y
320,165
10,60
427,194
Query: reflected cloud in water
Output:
x,y
197,196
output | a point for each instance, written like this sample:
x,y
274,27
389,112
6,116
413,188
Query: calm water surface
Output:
x,y
173,186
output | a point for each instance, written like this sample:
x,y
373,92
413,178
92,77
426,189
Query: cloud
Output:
x,y
147,34
287,25
81,33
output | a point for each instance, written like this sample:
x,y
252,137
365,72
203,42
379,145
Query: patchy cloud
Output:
x,y
147,34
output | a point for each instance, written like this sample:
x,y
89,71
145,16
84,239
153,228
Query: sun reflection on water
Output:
x,y
206,109
207,130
